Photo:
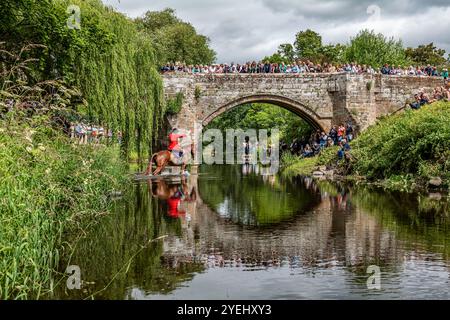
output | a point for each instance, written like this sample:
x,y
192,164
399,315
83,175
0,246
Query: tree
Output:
x,y
426,54
375,50
332,53
156,20
286,51
175,40
307,44
276,58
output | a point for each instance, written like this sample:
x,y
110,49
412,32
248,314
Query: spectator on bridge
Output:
x,y
301,66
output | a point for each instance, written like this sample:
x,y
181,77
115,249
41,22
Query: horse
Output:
x,y
162,190
163,158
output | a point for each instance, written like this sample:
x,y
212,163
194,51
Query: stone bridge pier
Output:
x,y
322,99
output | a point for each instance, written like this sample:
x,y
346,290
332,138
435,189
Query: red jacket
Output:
x,y
174,211
173,138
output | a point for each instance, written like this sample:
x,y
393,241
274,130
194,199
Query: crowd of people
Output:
x,y
340,136
439,93
92,134
303,66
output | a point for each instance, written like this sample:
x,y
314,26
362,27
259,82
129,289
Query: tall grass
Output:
x,y
48,187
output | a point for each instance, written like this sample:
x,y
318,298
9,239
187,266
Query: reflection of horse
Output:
x,y
174,195
164,158
163,191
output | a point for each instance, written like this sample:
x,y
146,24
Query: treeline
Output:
x,y
367,47
111,59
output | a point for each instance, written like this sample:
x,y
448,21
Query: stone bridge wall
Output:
x,y
321,99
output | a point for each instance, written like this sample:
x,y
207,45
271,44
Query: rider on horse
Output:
x,y
173,139
174,155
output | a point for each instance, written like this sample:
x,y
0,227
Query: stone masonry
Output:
x,y
323,100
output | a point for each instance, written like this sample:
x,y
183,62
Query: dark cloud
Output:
x,y
247,30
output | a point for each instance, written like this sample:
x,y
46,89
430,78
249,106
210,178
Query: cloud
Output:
x,y
249,30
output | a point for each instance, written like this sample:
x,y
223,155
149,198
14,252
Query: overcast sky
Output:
x,y
244,30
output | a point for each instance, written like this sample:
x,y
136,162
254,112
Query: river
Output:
x,y
233,232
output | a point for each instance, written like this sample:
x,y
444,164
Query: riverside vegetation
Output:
x,y
402,151
51,75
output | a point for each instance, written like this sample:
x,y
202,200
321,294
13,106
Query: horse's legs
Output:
x,y
157,171
160,168
149,169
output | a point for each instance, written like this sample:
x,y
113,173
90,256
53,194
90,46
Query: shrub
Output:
x,y
412,143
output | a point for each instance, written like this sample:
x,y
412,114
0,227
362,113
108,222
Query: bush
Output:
x,y
412,143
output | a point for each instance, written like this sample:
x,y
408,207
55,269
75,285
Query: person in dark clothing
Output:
x,y
416,104
344,146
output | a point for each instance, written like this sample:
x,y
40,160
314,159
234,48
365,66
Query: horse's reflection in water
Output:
x,y
175,194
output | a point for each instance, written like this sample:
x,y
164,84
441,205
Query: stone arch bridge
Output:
x,y
323,100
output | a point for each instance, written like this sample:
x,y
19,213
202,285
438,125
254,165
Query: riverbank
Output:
x,y
50,187
407,151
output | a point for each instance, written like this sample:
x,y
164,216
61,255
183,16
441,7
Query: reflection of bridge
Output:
x,y
322,100
329,235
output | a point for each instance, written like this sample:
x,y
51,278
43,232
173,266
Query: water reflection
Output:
x,y
239,233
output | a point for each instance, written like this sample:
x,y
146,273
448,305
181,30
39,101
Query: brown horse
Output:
x,y
163,191
164,158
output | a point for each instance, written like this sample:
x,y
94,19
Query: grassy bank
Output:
x,y
401,151
49,186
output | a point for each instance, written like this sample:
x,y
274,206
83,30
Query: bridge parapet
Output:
x,y
322,99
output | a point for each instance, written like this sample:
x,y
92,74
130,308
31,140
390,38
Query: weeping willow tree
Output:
x,y
106,57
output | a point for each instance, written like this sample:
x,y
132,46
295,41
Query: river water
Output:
x,y
234,232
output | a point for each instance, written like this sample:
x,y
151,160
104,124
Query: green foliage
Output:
x,y
414,143
299,166
375,50
331,54
276,58
287,51
175,40
307,44
328,156
49,186
295,165
197,93
263,116
108,60
174,104
426,54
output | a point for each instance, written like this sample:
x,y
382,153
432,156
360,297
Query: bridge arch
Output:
x,y
311,117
